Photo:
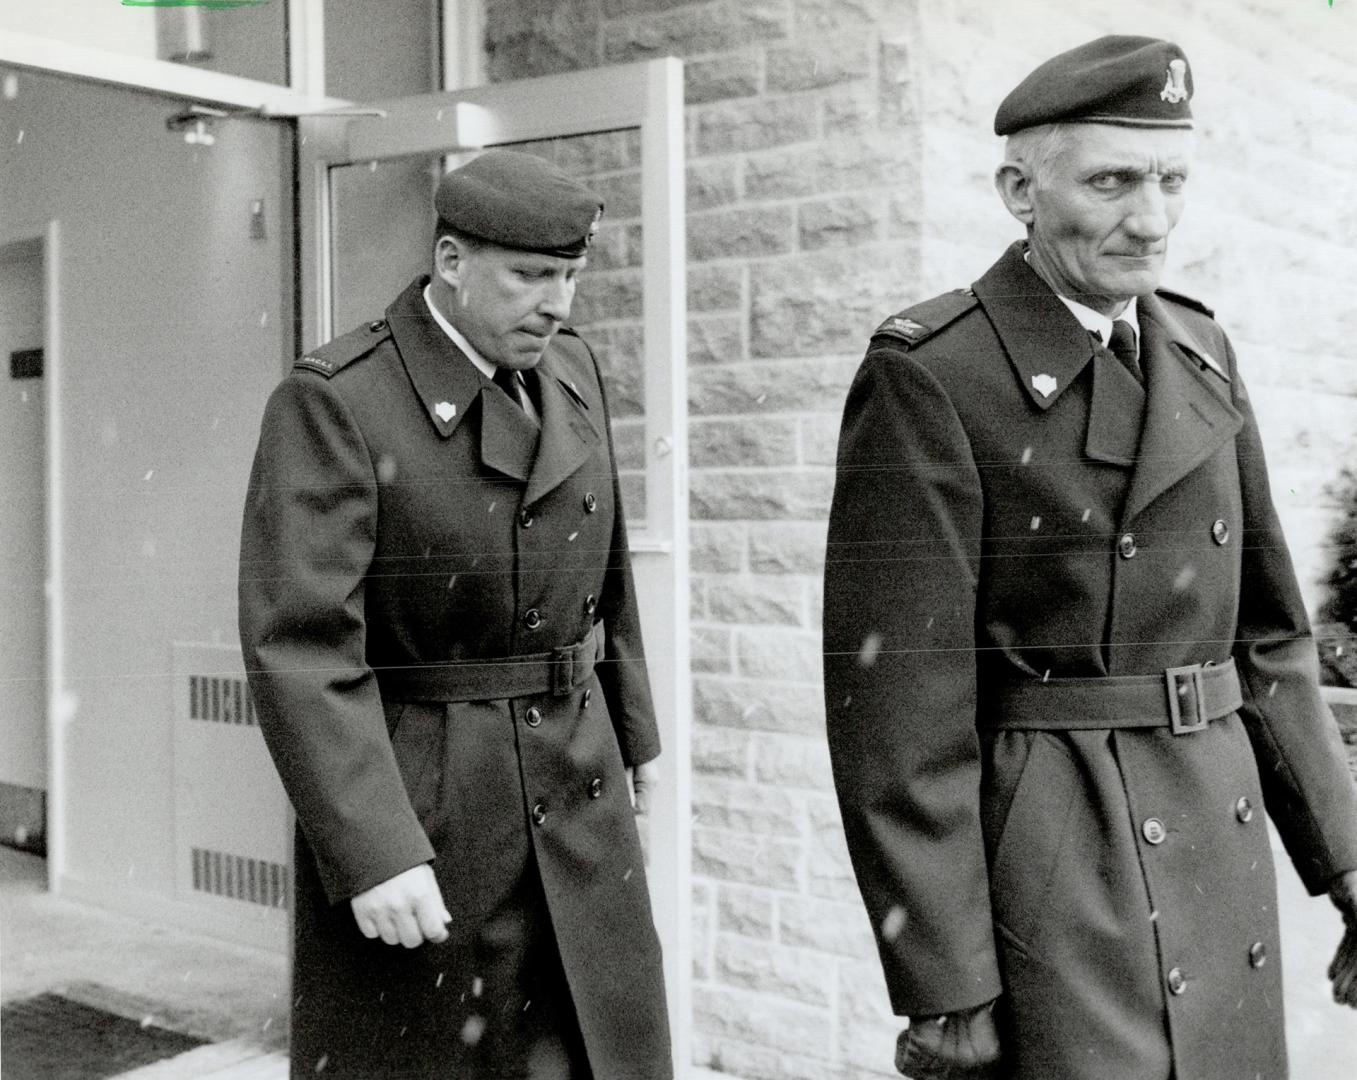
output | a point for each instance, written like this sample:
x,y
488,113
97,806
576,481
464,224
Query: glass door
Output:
x,y
366,221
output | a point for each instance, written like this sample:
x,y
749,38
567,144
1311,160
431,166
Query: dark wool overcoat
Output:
x,y
1012,505
404,513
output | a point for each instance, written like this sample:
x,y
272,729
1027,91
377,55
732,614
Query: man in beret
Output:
x,y
441,633
1067,663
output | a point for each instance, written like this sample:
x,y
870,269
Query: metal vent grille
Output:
x,y
220,700
239,877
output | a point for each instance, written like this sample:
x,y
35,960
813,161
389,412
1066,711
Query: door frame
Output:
x,y
649,96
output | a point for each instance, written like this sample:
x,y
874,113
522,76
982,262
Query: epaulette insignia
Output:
x,y
917,324
1186,301
342,351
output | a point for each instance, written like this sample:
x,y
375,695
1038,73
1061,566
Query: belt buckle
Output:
x,y
1184,717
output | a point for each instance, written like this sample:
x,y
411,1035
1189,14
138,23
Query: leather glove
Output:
x,y
955,1046
1343,969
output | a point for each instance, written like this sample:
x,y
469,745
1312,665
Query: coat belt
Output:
x,y
556,672
1183,699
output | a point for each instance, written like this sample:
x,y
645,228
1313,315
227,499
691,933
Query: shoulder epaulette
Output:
x,y
917,324
1186,301
342,351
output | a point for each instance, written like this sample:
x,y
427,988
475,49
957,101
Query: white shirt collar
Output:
x,y
484,366
1099,323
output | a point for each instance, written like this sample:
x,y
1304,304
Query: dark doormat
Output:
x,y
50,1037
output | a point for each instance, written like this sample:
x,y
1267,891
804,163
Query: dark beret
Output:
x,y
1132,81
519,201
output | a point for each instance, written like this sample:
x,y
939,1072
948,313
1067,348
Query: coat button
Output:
x,y
377,326
532,618
1257,954
590,603
525,519
590,502
596,789
1243,809
533,716
1153,830
1177,981
1126,546
1220,532
539,814
588,697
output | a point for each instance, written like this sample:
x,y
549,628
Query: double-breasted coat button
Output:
x,y
596,789
377,326
590,603
533,716
1220,532
539,814
590,502
525,519
532,618
1243,809
588,697
1126,546
1153,830
1177,981
1257,954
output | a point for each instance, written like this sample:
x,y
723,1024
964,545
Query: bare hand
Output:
x,y
644,780
404,910
1343,970
958,1046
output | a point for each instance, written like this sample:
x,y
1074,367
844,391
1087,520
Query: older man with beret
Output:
x,y
441,633
1067,664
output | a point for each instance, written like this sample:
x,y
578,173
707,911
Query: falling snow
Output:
x,y
871,649
1088,513
894,923
11,87
438,981
477,985
1186,576
386,468
571,537
1036,522
473,1029
1026,455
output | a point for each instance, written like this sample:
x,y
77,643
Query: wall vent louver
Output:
x,y
239,877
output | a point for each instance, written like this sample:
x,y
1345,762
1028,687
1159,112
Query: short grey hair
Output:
x,y
1035,149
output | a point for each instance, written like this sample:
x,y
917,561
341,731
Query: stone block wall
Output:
x,y
839,164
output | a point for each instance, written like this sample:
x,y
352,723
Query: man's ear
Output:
x,y
1014,184
449,255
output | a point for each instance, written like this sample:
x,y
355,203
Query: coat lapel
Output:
x,y
445,380
569,434
1188,414
1044,342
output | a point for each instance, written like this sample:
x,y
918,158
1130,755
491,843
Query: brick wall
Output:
x,y
839,163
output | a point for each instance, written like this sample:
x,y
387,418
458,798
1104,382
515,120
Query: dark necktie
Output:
x,y
507,380
1123,346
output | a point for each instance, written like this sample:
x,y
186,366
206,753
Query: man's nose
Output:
x,y
1148,219
557,299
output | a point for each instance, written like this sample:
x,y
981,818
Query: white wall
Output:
x,y
22,711
174,325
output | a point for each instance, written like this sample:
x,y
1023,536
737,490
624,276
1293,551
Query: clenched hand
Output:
x,y
958,1046
404,910
1343,970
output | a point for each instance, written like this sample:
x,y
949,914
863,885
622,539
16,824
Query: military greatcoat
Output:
x,y
1011,507
407,522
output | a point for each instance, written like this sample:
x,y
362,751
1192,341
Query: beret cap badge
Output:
x,y
1175,88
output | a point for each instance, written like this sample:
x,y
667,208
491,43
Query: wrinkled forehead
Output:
x,y
1113,146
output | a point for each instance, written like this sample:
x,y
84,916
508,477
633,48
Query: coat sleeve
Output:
x,y
306,543
623,676
1308,790
901,575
